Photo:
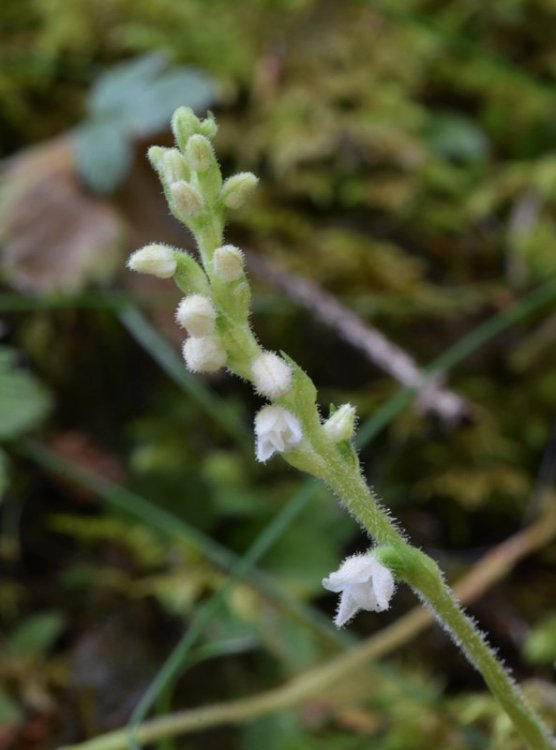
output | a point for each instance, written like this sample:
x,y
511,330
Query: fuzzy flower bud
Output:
x,y
341,424
185,123
237,189
158,260
209,127
228,263
200,154
196,314
276,431
173,166
155,155
204,354
363,583
272,377
187,199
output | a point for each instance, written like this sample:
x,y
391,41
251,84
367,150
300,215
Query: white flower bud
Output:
x,y
276,431
237,189
173,166
204,354
158,260
155,155
341,424
184,124
196,314
187,199
200,154
363,583
272,377
228,263
209,127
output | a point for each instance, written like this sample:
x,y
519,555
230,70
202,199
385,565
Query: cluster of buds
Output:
x,y
190,173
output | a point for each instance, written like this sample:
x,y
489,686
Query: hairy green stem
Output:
x,y
423,575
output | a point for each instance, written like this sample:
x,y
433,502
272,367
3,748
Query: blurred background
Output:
x,y
407,156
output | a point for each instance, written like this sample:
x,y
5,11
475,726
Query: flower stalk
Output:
x,y
216,316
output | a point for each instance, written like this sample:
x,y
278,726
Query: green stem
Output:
x,y
440,600
425,578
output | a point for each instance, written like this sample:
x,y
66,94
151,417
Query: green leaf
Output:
x,y
142,94
10,713
123,80
23,400
540,647
3,474
150,111
103,154
457,138
36,635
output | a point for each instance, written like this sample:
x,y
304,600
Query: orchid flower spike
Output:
x,y
363,583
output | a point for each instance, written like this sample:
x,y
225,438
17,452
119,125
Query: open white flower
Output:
x,y
363,583
276,430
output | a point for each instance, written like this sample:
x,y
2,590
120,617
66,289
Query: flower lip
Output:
x,y
276,430
363,584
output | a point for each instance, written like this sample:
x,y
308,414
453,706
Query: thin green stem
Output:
x,y
425,578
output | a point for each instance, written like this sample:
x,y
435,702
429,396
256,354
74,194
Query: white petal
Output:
x,y
347,608
356,569
333,583
364,595
265,449
383,585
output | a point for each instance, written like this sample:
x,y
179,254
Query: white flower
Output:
x,y
158,260
204,354
228,263
272,377
363,583
276,430
196,314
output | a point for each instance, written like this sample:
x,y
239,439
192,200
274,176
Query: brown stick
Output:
x,y
433,398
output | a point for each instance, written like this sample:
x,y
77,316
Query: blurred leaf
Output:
x,y
36,635
455,137
3,473
103,154
55,236
23,400
117,82
150,111
142,95
540,647
10,713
